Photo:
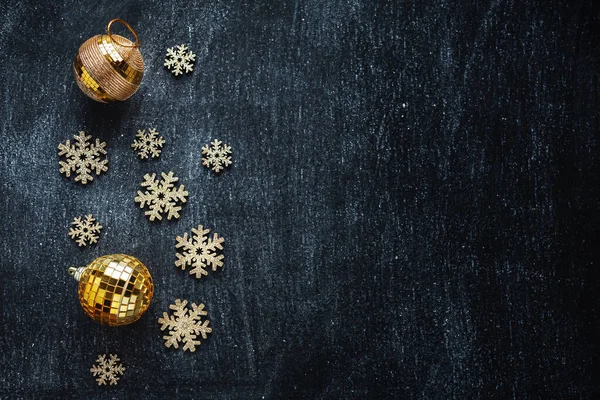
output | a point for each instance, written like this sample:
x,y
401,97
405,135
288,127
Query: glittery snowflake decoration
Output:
x,y
162,196
85,230
107,371
217,156
82,158
184,325
180,60
199,251
148,144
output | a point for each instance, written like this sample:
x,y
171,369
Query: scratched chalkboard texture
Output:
x,y
412,210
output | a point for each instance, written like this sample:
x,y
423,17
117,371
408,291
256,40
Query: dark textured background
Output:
x,y
412,211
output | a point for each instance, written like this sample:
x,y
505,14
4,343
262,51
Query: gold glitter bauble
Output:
x,y
109,67
115,289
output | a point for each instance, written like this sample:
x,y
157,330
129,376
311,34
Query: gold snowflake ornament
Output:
x,y
199,251
162,196
180,60
148,144
184,325
83,158
107,370
85,230
217,156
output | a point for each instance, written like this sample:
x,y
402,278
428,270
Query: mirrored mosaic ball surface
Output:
x,y
108,70
115,289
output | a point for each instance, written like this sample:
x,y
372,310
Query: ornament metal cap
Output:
x,y
76,272
114,289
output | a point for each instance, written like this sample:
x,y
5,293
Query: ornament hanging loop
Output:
x,y
137,43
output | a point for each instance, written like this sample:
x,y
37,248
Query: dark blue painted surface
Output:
x,y
412,211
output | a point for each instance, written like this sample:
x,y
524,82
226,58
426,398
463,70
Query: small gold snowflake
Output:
x,y
161,196
148,144
107,370
217,156
180,60
184,325
199,251
82,158
85,231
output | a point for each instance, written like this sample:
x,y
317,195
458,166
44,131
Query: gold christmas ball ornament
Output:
x,y
115,289
109,67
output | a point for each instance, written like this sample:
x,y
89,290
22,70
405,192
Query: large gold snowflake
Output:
x,y
82,158
107,370
217,156
162,196
184,325
199,251
85,230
